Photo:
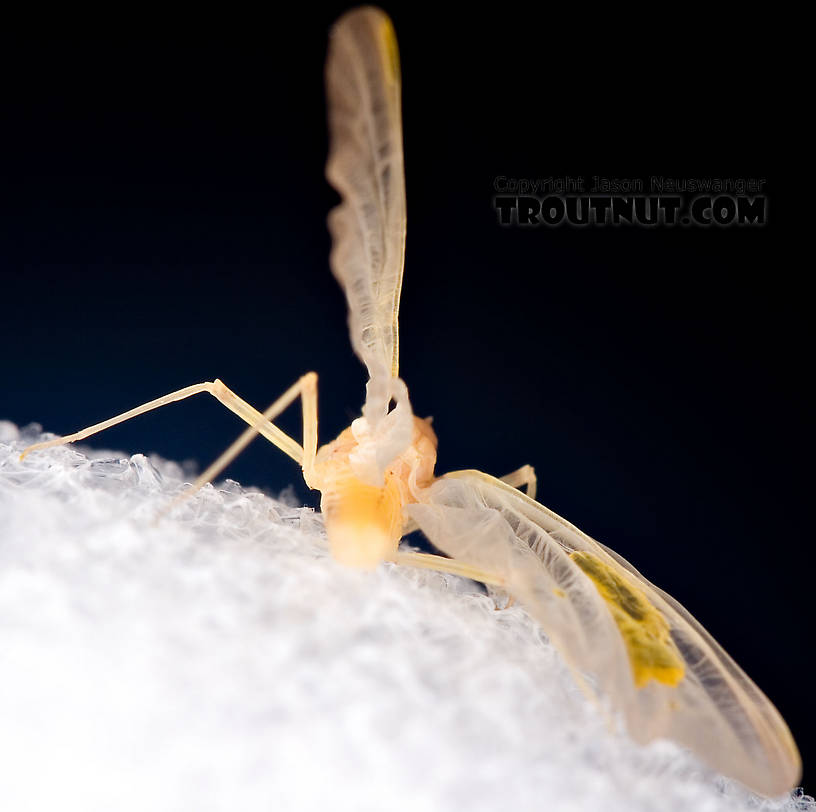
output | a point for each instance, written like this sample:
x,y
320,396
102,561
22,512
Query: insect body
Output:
x,y
634,646
364,514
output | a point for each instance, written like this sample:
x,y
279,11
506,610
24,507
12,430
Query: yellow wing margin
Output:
x,y
365,165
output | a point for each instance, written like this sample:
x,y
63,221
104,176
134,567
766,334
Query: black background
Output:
x,y
164,223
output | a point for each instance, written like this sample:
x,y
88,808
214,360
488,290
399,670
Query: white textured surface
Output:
x,y
222,660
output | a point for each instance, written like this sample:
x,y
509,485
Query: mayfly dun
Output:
x,y
646,656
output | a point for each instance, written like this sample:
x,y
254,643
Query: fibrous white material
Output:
x,y
220,659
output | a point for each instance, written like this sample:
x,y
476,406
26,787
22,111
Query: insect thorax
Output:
x,y
363,514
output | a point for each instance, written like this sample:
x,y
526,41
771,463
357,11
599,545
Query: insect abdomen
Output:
x,y
363,522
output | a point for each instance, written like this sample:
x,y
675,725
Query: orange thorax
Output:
x,y
364,520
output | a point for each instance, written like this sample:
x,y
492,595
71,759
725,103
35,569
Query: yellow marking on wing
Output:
x,y
645,632
390,50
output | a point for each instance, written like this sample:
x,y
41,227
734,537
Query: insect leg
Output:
x,y
306,387
442,564
524,476
307,384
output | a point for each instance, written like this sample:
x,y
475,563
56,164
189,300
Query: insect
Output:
x,y
626,641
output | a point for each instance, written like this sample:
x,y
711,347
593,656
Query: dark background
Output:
x,y
164,223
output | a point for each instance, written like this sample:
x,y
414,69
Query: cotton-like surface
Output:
x,y
220,659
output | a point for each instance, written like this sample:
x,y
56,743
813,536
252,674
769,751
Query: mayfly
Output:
x,y
628,642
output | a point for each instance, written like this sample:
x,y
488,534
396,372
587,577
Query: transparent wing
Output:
x,y
631,643
365,165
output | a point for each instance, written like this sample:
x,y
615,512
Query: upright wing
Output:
x,y
365,165
624,638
